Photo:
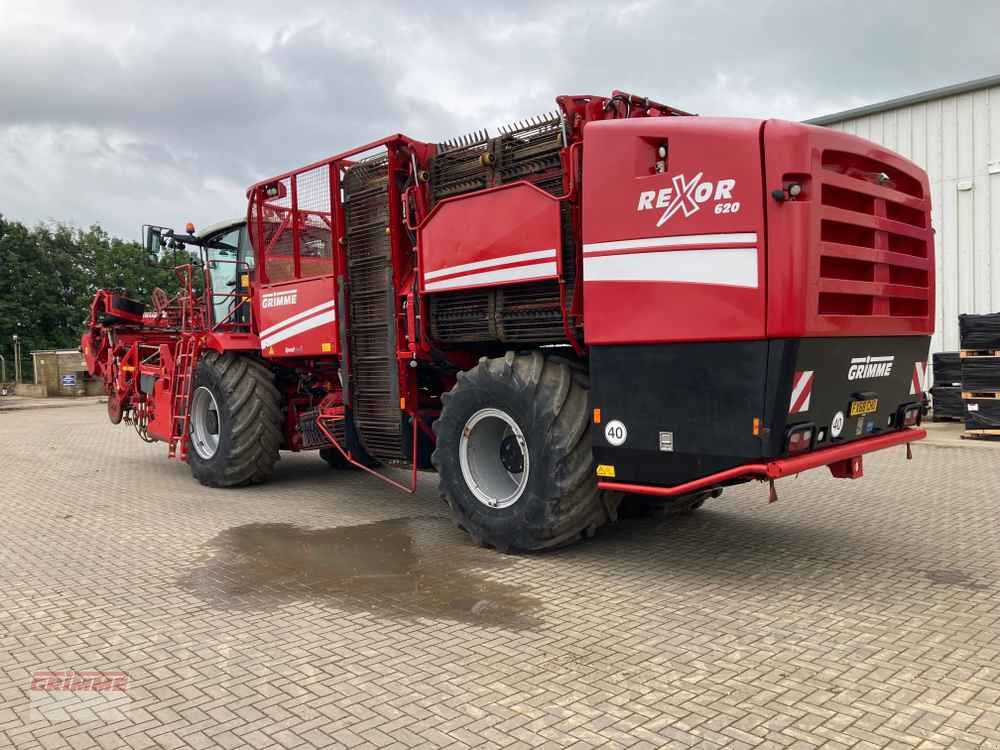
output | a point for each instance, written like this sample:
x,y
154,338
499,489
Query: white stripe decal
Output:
x,y
735,238
306,325
518,273
479,264
729,266
297,317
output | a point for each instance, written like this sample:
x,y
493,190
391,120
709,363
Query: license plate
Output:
x,y
861,408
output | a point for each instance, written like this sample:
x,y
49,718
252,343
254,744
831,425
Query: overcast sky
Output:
x,y
121,113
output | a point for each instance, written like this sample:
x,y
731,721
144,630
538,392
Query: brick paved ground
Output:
x,y
325,610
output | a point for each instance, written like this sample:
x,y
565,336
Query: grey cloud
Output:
x,y
124,112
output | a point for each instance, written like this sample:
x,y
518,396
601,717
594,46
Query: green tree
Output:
x,y
49,274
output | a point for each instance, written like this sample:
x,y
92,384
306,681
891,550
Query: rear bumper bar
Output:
x,y
781,467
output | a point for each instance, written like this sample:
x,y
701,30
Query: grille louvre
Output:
x,y
874,256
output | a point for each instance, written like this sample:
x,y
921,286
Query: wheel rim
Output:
x,y
491,450
205,423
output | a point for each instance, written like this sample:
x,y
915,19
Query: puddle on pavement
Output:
x,y
402,568
952,577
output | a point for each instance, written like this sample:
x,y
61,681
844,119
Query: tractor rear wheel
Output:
x,y
335,459
235,429
641,506
514,454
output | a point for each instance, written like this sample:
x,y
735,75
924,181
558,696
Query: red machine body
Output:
x,y
714,275
703,253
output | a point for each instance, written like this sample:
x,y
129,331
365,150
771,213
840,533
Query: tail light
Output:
x,y
909,415
800,438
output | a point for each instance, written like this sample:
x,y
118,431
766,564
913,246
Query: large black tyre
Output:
x,y
335,459
247,423
641,506
557,498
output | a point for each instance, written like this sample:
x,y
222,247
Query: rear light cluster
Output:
x,y
909,416
800,438
804,437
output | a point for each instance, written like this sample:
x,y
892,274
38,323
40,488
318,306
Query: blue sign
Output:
x,y
69,381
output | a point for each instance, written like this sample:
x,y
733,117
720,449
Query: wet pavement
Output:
x,y
397,568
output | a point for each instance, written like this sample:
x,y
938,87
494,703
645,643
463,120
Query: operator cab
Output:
x,y
229,260
225,255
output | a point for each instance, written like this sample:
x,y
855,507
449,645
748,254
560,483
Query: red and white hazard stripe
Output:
x,y
918,382
529,266
298,323
802,389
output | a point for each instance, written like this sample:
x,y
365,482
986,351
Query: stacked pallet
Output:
x,y
980,337
946,395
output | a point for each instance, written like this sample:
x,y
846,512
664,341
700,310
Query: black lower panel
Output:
x,y
703,397
670,413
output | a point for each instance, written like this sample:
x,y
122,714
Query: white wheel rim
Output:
x,y
205,423
488,478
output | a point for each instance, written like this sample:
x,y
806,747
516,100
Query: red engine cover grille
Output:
x,y
856,248
874,248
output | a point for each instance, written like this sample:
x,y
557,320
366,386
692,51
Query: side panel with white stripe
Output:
x,y
508,235
298,318
673,250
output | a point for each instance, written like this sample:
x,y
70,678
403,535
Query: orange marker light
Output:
x,y
402,403
756,426
189,228
597,416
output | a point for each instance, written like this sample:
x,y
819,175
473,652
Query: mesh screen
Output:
x,y
294,216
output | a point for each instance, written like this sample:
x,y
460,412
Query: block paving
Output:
x,y
325,609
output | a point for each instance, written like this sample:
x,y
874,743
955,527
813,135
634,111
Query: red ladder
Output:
x,y
188,350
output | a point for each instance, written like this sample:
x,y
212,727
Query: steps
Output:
x,y
186,358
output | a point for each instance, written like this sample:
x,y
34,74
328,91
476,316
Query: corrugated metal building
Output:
x,y
953,133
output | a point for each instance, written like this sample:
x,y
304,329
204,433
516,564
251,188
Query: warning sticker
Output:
x,y
606,470
615,432
837,425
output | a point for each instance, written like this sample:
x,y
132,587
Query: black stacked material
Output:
x,y
979,331
982,414
947,403
981,374
947,369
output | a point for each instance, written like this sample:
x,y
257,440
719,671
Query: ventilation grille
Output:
x,y
312,437
874,254
520,313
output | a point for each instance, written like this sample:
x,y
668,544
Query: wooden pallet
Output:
x,y
981,395
969,353
981,435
